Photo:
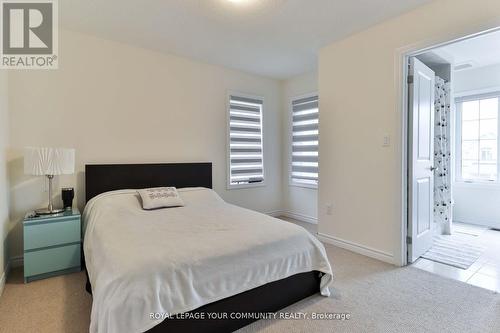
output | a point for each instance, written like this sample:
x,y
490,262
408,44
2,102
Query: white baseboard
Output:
x,y
300,217
13,262
358,248
2,280
292,215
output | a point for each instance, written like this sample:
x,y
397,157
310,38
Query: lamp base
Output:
x,y
46,211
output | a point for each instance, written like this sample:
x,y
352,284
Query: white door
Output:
x,y
421,159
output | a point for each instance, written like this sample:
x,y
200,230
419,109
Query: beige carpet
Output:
x,y
378,297
58,304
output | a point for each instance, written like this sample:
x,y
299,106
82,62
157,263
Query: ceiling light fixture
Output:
x,y
237,2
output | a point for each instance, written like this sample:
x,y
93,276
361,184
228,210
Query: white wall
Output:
x,y
360,81
477,203
4,191
299,202
117,103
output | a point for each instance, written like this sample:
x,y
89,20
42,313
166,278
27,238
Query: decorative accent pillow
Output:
x,y
160,197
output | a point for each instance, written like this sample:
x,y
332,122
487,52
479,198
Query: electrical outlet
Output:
x,y
329,209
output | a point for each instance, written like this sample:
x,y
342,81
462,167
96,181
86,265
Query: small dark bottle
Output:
x,y
67,195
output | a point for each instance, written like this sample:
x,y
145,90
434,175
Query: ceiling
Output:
x,y
480,51
274,38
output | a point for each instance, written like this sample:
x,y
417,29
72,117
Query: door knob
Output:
x,y
433,168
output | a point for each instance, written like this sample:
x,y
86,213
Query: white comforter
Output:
x,y
174,260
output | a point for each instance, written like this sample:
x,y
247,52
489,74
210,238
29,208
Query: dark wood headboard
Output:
x,y
100,178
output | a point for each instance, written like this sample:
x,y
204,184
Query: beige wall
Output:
x,y
359,85
117,103
297,201
4,192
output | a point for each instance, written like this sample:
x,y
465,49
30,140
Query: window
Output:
x,y
305,134
246,158
477,138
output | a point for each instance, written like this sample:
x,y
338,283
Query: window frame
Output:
x,y
291,182
230,186
477,96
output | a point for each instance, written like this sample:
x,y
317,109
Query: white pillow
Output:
x,y
160,197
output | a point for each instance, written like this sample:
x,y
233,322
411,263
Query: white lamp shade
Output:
x,y
49,161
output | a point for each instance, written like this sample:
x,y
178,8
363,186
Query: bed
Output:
x,y
206,267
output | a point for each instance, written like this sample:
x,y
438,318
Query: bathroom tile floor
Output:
x,y
484,273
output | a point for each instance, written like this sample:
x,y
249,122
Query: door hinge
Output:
x,y
410,79
408,239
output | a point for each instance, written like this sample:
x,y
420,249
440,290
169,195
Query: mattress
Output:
x,y
147,265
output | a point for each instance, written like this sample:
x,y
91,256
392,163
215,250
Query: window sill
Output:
x,y
477,185
309,186
243,186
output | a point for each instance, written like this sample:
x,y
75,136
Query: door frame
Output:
x,y
402,57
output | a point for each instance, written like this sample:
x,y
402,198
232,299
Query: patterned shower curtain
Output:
x,y
442,155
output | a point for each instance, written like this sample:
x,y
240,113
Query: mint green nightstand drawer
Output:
x,y
50,260
51,233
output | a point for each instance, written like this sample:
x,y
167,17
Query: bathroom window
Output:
x,y
477,138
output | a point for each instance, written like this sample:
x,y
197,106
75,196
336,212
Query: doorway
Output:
x,y
453,170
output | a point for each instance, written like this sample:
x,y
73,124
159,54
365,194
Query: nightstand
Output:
x,y
52,245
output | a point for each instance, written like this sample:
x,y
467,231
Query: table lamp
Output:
x,y
49,162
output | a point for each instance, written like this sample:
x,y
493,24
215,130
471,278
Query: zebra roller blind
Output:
x,y
246,158
305,138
